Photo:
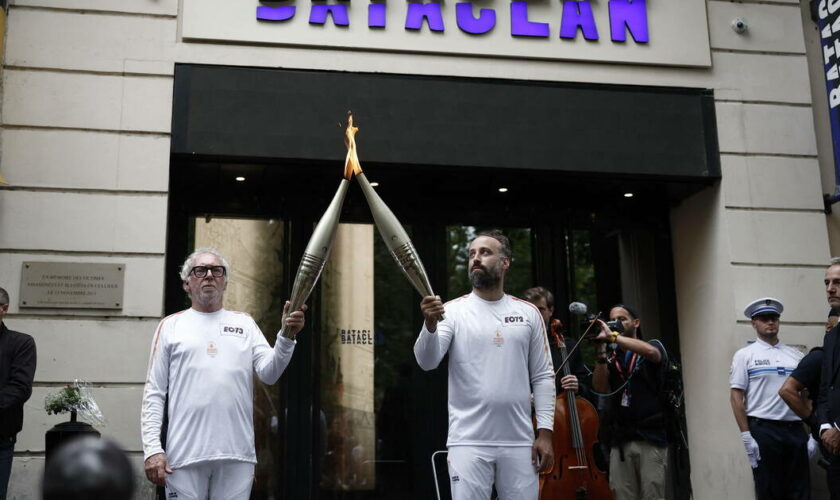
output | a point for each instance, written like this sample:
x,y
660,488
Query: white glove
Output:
x,y
752,449
813,446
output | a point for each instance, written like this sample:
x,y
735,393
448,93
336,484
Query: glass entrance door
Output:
x,y
379,417
369,446
382,417
353,416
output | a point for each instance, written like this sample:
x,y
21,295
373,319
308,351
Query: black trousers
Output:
x,y
832,475
782,472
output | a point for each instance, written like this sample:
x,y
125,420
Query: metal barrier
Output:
x,y
494,495
434,472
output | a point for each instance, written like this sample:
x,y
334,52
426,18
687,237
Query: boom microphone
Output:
x,y
578,308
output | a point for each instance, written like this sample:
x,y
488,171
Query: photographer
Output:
x,y
638,442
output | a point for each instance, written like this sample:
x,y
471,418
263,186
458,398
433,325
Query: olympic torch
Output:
x,y
392,232
320,243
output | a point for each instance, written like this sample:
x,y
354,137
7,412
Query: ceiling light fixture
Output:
x,y
628,195
503,190
374,184
240,179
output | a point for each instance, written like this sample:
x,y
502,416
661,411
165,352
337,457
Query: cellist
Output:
x,y
576,474
543,299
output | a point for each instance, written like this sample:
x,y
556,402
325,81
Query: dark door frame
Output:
x,y
223,125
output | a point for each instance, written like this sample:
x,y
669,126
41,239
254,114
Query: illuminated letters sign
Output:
x,y
616,31
625,16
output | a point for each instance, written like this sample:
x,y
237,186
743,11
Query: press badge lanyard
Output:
x,y
625,376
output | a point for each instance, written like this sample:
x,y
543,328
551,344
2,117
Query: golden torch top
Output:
x,y
351,162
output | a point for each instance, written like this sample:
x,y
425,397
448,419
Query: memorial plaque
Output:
x,y
74,285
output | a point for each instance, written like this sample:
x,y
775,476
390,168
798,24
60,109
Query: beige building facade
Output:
x,y
87,114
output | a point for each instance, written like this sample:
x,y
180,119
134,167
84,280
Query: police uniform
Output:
x,y
759,370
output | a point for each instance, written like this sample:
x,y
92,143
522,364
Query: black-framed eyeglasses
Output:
x,y
201,271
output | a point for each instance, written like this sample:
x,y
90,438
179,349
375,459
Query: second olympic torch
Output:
x,y
392,232
318,249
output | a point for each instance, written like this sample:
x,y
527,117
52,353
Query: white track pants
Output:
x,y
474,469
215,480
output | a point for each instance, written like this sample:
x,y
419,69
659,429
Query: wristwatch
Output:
x,y
614,336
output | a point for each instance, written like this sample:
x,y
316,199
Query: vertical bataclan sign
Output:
x,y
828,14
625,16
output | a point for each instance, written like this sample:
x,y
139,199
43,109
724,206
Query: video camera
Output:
x,y
587,325
613,326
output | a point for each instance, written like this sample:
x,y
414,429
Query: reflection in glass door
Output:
x,y
366,361
254,249
347,363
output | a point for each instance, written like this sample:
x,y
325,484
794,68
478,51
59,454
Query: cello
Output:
x,y
574,475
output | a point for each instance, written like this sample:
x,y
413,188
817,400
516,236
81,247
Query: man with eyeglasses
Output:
x,y
203,360
17,371
773,435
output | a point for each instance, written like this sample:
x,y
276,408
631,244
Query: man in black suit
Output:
x,y
17,370
828,407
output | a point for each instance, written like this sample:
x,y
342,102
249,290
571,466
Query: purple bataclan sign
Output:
x,y
578,15
626,16
633,15
318,14
276,13
521,26
376,15
485,21
429,11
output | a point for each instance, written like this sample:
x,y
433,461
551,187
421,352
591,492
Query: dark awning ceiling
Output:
x,y
633,132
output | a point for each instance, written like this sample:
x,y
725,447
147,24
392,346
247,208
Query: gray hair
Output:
x,y
188,264
835,261
4,297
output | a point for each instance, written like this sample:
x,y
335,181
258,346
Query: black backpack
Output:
x,y
672,397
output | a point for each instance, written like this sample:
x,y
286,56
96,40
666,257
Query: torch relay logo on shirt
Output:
x,y
498,340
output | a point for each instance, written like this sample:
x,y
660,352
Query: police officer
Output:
x,y
773,435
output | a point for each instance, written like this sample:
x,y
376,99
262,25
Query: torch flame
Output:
x,y
351,162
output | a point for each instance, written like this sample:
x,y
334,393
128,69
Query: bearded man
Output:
x,y
498,355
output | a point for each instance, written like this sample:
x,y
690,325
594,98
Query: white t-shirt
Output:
x,y
205,363
759,370
498,356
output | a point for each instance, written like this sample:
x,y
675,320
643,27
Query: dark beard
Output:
x,y
482,279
